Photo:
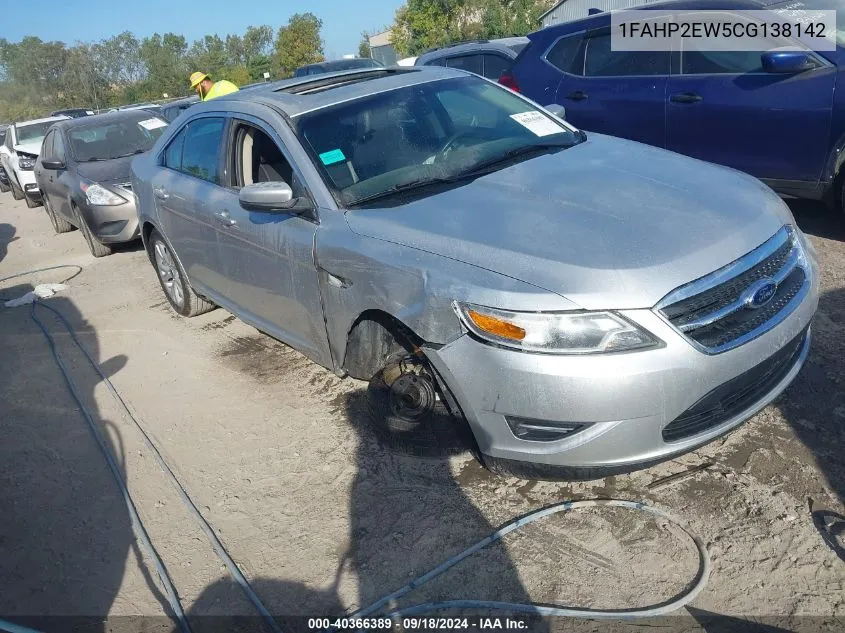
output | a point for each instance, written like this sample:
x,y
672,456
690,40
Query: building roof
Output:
x,y
381,39
556,5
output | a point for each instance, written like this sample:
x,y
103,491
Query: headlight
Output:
x,y
555,332
99,195
26,161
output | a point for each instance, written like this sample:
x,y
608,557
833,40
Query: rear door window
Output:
x,y
495,65
471,63
201,150
567,55
601,61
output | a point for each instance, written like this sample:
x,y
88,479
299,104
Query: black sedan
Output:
x,y
83,174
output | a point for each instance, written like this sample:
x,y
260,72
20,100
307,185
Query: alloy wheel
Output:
x,y
168,272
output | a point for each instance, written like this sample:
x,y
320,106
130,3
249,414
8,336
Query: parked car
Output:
x,y
774,114
488,58
73,113
336,66
587,304
173,109
83,174
4,179
19,153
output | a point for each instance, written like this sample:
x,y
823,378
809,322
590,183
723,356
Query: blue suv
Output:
x,y
776,115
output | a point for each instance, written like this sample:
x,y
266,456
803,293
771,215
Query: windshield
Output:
x,y
33,133
432,132
816,5
110,139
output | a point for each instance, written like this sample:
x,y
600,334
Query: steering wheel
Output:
x,y
448,146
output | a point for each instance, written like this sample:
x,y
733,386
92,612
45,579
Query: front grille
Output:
x,y
736,395
125,185
719,312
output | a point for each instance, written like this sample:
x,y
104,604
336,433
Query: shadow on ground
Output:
x,y
815,403
65,534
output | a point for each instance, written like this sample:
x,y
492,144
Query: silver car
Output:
x,y
586,305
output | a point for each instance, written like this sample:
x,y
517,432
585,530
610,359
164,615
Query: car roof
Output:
x,y
106,117
61,117
304,94
340,62
502,45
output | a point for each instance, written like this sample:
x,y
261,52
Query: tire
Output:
x,y
407,411
31,204
4,188
60,225
174,281
97,248
17,193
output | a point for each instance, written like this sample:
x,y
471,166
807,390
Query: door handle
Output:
x,y
685,97
577,95
224,218
160,193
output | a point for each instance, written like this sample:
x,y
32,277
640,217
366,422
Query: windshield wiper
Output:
x,y
398,188
487,166
94,160
132,153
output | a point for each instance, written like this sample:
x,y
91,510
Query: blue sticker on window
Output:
x,y
332,157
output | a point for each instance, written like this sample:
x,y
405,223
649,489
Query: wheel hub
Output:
x,y
412,396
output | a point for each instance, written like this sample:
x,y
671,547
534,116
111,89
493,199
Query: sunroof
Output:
x,y
321,84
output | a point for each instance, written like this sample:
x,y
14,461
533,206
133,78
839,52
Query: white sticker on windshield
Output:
x,y
537,122
152,124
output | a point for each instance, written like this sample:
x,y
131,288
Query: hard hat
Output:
x,y
197,78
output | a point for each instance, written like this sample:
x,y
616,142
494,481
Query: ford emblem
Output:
x,y
760,293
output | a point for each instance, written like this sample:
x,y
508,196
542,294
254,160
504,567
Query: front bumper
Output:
x,y
624,400
26,178
112,224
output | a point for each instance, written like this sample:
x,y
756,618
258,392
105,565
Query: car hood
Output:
x,y
609,223
29,148
107,171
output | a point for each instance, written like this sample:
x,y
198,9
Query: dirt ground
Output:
x,y
278,455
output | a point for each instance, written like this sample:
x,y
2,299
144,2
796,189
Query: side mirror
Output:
x,y
52,163
268,197
786,61
558,110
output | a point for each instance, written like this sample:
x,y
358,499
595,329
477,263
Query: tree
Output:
x,y
119,59
364,46
298,44
165,59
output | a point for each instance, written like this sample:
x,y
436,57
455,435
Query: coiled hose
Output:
x,y
644,612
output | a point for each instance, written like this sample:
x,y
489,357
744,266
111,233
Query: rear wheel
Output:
x,y
4,188
60,225
32,204
173,280
97,248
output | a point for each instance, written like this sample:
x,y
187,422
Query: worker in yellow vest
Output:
x,y
208,89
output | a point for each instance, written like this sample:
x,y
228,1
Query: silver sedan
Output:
x,y
585,305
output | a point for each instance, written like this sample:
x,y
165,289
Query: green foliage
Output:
x,y
364,45
37,77
424,24
298,44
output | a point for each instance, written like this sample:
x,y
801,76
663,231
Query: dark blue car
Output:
x,y
776,115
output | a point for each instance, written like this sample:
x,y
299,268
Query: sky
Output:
x,y
90,20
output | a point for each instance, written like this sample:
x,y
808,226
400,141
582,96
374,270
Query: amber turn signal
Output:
x,y
496,326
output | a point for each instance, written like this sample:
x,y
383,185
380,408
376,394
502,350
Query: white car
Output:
x,y
19,153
